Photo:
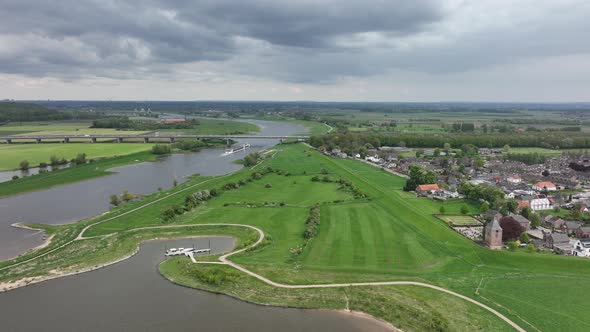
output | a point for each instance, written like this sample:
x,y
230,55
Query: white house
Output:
x,y
374,159
540,204
581,248
544,185
514,179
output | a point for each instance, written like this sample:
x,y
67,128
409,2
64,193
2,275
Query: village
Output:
x,y
546,205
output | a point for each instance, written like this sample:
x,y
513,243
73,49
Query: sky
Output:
x,y
322,50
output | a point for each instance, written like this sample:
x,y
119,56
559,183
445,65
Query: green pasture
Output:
x,y
12,154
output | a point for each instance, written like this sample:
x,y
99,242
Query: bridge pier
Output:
x,y
38,140
280,141
93,139
146,140
172,139
8,141
119,139
66,140
227,142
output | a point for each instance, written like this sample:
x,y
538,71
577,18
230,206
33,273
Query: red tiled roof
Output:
x,y
522,204
544,184
427,187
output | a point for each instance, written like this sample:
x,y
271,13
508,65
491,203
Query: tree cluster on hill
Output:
x,y
419,176
491,194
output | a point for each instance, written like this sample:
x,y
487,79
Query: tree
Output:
x,y
161,149
80,159
53,160
442,210
175,183
511,205
446,147
512,245
127,196
464,209
511,229
524,237
535,220
24,165
526,212
251,159
419,176
485,206
114,200
478,163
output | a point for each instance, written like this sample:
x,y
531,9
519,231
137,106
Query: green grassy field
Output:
x,y
390,235
11,155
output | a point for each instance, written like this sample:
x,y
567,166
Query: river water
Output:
x,y
133,296
73,202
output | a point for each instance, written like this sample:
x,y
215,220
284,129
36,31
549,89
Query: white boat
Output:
x,y
241,148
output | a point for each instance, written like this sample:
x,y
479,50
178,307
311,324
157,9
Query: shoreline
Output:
x,y
46,241
353,313
8,286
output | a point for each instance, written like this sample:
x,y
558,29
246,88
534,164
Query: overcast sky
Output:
x,y
325,50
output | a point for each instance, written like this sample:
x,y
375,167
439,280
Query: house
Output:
x,y
583,232
445,194
523,204
538,204
524,222
581,248
493,235
552,221
570,227
556,239
426,189
544,185
515,179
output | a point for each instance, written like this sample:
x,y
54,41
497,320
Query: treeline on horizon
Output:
x,y
22,112
352,141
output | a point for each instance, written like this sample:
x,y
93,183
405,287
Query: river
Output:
x,y
76,201
133,296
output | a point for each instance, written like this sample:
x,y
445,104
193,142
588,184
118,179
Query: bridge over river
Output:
x,y
119,138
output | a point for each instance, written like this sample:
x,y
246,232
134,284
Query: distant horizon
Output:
x,y
295,101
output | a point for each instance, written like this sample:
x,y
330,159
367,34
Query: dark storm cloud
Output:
x,y
99,37
295,40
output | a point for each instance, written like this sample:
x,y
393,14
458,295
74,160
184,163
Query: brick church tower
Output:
x,y
493,234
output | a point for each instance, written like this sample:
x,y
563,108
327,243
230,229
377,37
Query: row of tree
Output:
x,y
352,142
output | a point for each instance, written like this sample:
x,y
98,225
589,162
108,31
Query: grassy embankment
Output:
x,y
391,235
70,175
